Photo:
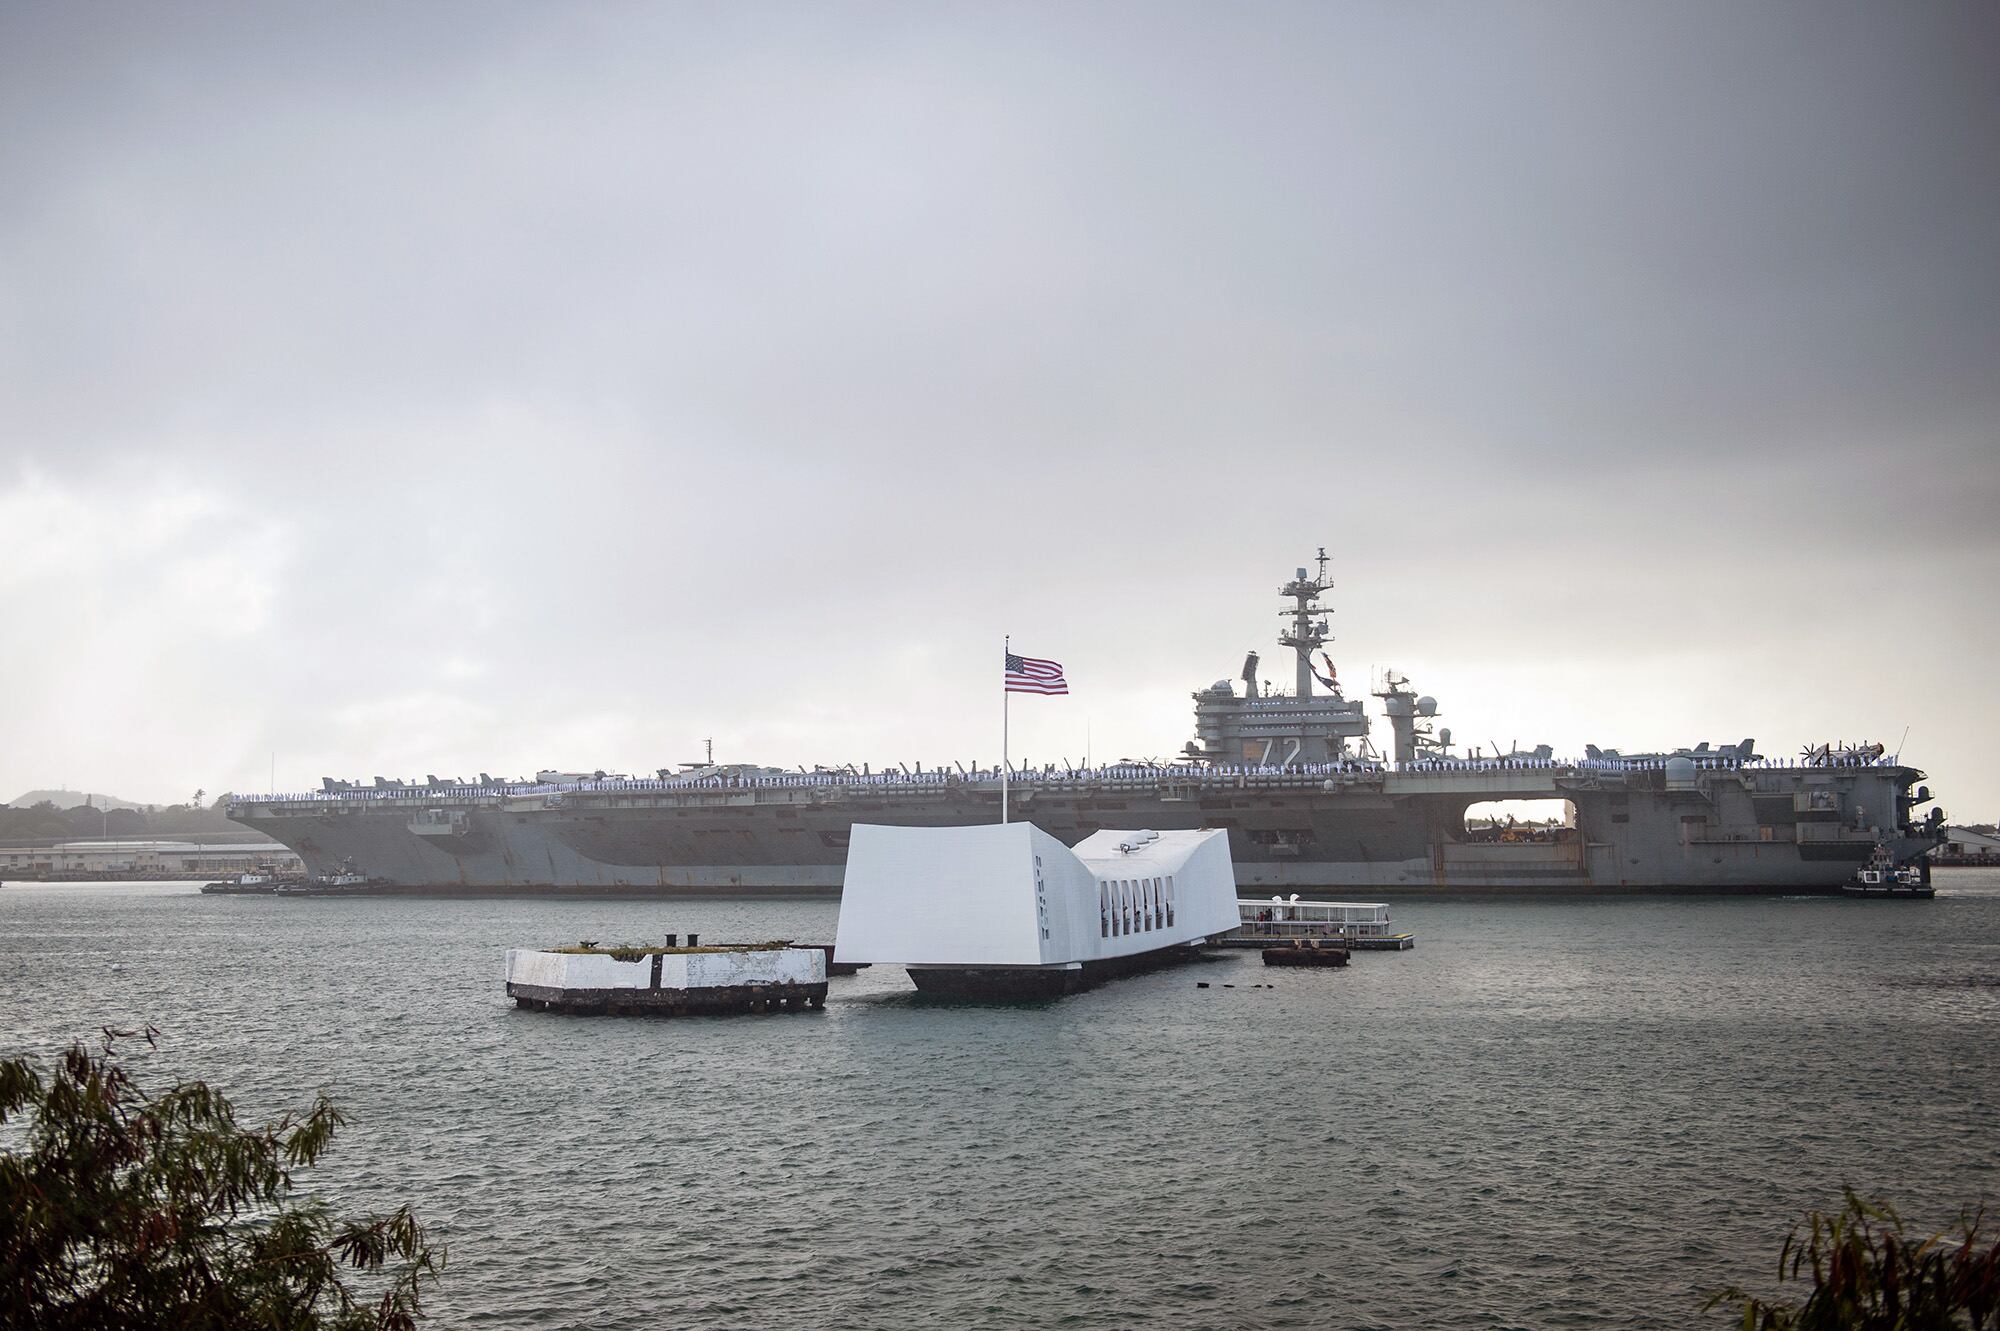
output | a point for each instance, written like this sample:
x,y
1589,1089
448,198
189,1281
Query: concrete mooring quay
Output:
x,y
668,980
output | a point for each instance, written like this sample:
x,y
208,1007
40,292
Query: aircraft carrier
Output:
x,y
1310,803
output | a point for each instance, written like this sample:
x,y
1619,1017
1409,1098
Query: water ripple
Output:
x,y
1550,1114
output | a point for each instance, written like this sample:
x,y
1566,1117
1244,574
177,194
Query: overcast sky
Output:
x,y
402,389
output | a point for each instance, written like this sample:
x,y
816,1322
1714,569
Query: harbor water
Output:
x,y
1553,1112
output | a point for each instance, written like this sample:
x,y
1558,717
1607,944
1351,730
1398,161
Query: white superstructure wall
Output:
x,y
1182,881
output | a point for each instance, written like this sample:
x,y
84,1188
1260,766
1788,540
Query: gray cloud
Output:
x,y
560,386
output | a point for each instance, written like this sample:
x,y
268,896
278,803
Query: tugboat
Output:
x,y
1881,877
347,880
262,881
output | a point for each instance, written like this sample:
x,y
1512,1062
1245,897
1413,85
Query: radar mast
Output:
x,y
1308,631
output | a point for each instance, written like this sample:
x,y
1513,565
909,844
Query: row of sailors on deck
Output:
x,y
935,777
1213,773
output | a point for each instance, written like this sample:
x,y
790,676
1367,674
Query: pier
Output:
x,y
1359,926
668,981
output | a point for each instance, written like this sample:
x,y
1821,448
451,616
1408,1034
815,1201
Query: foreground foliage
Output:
x,y
122,1209
1869,1274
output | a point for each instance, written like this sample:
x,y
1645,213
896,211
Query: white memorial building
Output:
x,y
1006,910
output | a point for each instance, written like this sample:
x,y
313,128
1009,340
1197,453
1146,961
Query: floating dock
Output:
x,y
1384,943
668,981
1359,926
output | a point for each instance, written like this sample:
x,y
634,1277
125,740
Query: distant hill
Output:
x,y
70,799
60,814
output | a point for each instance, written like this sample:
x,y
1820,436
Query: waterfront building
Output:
x,y
142,859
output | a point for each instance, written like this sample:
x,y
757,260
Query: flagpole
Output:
x,y
1006,646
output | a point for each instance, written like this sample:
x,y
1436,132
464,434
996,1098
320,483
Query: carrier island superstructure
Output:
x,y
1307,798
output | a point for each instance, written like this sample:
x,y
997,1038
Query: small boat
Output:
x,y
1304,953
1883,877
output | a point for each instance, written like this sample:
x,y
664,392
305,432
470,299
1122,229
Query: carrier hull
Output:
x,y
1739,828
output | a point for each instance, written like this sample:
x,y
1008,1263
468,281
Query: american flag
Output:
x,y
1025,674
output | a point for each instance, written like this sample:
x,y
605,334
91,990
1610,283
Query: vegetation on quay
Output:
x,y
43,820
118,1208
1867,1272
